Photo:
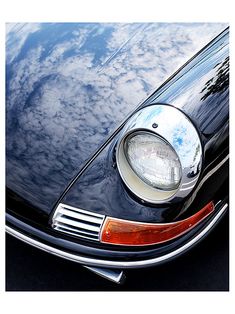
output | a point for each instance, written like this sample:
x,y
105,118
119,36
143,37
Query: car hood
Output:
x,y
69,86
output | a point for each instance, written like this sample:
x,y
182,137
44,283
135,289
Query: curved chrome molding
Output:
x,y
116,264
174,127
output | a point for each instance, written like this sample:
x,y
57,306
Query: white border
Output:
x,y
126,11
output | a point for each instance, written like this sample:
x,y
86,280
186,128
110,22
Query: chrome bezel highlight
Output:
x,y
175,129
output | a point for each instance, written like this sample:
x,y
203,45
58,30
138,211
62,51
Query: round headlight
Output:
x,y
156,152
153,160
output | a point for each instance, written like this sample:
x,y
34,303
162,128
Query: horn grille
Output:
x,y
77,222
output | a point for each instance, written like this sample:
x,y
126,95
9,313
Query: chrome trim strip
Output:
x,y
116,264
115,275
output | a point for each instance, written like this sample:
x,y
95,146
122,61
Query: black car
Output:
x,y
93,176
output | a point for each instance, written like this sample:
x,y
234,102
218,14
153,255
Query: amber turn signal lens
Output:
x,y
125,232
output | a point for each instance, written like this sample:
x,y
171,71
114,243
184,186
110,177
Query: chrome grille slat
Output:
x,y
71,229
81,211
74,223
77,222
81,217
79,234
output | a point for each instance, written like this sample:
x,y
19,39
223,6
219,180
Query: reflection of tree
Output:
x,y
218,83
196,153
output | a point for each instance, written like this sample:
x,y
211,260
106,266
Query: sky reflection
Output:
x,y
69,85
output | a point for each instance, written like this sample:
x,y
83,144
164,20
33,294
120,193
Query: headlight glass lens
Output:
x,y
153,160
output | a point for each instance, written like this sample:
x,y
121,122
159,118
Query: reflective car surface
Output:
x,y
103,168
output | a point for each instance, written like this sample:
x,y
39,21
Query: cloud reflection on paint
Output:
x,y
70,85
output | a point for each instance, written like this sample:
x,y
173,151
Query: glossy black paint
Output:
x,y
38,183
70,85
200,90
100,189
45,234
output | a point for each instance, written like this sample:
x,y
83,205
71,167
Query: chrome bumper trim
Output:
x,y
116,264
114,275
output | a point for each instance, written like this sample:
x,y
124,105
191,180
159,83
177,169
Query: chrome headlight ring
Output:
x,y
172,127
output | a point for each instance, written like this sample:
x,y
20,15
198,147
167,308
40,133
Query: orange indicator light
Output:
x,y
125,232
